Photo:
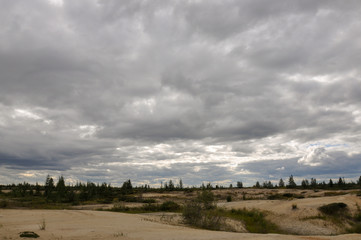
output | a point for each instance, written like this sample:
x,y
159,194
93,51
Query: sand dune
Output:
x,y
83,224
298,221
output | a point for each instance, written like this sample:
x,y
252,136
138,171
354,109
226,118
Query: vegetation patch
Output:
x,y
203,213
255,220
284,196
3,204
28,234
319,216
334,209
331,194
168,206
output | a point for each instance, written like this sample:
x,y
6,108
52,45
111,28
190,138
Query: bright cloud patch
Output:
x,y
315,157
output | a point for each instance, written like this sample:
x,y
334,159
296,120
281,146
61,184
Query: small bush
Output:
x,y
333,208
287,195
196,215
28,235
229,198
149,200
294,206
42,225
254,220
192,213
356,228
284,196
170,206
331,194
3,204
149,207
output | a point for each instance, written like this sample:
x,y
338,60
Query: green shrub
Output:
x,y
229,198
28,235
3,204
206,198
331,194
149,200
333,208
197,215
254,220
356,228
170,206
149,207
192,213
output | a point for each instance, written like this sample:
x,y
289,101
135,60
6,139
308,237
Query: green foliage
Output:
x,y
206,198
284,196
330,194
28,234
170,206
49,187
291,182
127,187
3,204
192,213
202,212
333,209
149,200
229,198
281,183
356,228
254,220
195,214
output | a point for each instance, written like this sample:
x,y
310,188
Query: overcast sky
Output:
x,y
213,91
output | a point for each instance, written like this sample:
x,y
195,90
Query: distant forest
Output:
x,y
60,192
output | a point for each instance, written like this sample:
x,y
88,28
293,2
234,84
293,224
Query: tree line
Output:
x,y
340,184
60,192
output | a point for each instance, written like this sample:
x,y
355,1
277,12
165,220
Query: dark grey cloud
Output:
x,y
182,88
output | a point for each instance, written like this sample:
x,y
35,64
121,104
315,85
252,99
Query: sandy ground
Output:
x,y
297,221
84,224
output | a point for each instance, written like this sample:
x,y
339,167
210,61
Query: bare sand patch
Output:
x,y
83,224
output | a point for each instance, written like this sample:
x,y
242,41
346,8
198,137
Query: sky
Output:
x,y
203,91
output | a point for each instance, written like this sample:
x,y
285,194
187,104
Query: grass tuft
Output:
x,y
42,225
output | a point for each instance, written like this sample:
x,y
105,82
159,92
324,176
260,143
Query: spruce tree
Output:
x,y
291,182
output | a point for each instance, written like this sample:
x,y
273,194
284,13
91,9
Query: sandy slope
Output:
x,y
77,224
295,221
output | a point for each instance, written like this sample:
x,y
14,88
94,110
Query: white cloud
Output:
x,y
314,157
160,89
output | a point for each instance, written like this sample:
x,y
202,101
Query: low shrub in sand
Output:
x,y
334,209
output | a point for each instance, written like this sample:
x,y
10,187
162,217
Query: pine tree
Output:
x,y
305,183
49,186
180,184
291,182
313,182
281,183
330,183
60,189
